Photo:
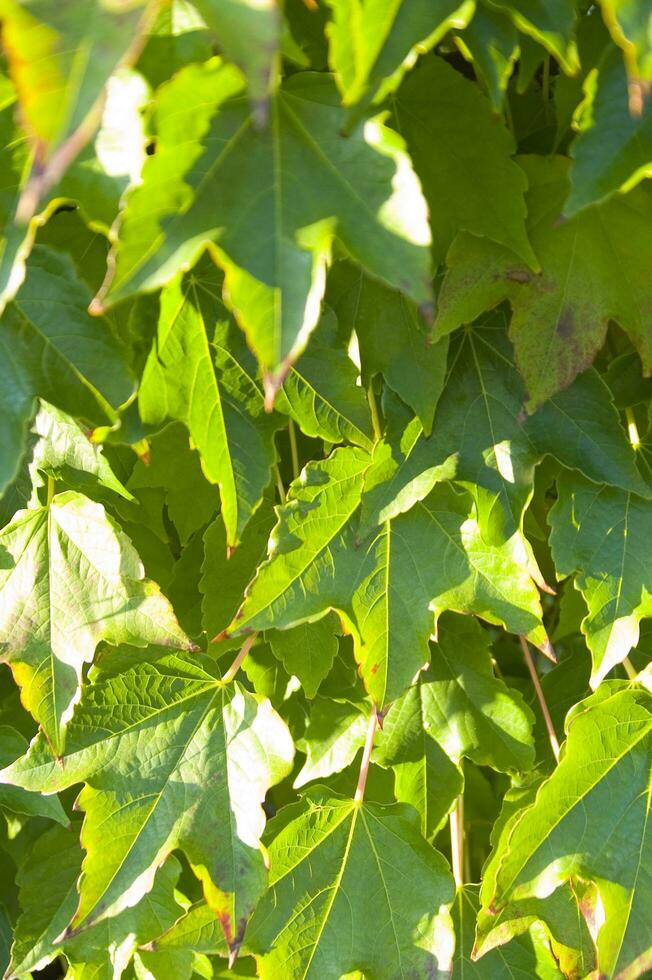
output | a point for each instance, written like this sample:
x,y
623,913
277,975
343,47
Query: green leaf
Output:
x,y
64,452
225,574
490,42
172,464
526,956
338,866
469,711
483,439
321,395
552,24
392,338
590,819
424,775
198,929
373,42
69,359
211,193
14,800
71,579
207,753
564,312
308,651
51,872
471,181
600,533
60,59
249,34
613,151
335,733
386,587
200,372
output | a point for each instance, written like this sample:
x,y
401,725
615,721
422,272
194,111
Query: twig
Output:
x,y
457,840
235,666
293,449
366,756
552,735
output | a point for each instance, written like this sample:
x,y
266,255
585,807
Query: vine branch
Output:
x,y
550,728
366,756
235,666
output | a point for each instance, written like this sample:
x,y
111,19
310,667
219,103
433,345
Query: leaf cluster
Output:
x,y
325,489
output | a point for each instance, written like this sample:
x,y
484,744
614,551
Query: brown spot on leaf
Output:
x,y
566,324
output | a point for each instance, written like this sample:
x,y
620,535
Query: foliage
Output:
x,y
326,489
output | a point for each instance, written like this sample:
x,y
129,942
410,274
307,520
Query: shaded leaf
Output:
x,y
50,347
346,190
471,181
613,151
564,311
600,533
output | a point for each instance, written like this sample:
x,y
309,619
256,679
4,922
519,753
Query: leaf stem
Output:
x,y
366,756
235,666
630,669
50,490
457,840
279,483
293,449
550,728
375,415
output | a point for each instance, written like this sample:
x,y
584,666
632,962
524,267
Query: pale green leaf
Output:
x,y
60,58
72,578
14,800
335,733
483,439
321,394
206,755
527,956
424,775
